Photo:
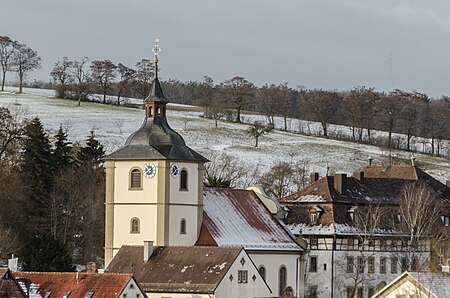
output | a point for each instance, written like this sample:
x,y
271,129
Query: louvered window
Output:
x,y
183,180
135,179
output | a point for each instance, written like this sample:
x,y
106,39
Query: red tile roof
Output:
x,y
195,269
79,284
9,287
236,217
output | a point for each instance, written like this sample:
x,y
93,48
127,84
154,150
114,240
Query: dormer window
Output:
x,y
314,214
352,211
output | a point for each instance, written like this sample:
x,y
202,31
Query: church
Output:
x,y
180,239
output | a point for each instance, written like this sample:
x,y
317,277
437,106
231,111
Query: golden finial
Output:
x,y
156,49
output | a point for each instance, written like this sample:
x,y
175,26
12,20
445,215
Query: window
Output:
x,y
371,244
371,265
262,271
404,264
314,242
350,264
351,243
89,295
312,264
183,226
313,291
350,292
135,179
383,244
183,180
135,225
394,262
360,292
242,276
371,291
441,253
282,280
313,217
360,265
382,265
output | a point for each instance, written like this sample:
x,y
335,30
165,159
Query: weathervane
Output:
x,y
156,49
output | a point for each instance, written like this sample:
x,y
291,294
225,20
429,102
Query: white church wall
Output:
x,y
122,225
190,215
189,196
272,262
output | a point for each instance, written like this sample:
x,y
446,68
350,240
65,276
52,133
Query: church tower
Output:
x,y
154,184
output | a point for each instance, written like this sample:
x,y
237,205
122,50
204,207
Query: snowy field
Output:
x,y
112,125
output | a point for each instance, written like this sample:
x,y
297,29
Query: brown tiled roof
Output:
x,y
9,287
236,217
380,186
196,269
79,284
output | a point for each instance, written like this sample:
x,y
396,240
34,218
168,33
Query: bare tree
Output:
x,y
320,105
144,75
9,240
206,95
62,76
25,60
126,75
239,94
223,170
419,222
283,179
81,78
103,73
390,107
257,129
7,48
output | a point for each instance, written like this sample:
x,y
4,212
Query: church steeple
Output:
x,y
155,103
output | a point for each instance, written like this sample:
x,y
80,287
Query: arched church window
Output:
x,y
183,226
183,180
282,278
150,112
136,179
262,271
135,225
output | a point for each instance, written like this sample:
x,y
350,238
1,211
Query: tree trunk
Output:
x,y
20,81
285,123
325,131
238,116
3,80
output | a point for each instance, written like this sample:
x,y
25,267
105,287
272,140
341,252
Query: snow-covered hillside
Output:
x,y
112,125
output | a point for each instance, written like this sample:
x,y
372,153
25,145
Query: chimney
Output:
x,y
340,183
91,267
148,250
314,177
360,176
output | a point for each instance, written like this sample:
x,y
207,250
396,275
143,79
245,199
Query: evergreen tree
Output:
x,y
92,152
61,151
37,170
44,253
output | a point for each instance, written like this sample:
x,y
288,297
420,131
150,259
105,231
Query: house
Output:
x,y
154,192
9,287
350,227
76,284
417,284
199,271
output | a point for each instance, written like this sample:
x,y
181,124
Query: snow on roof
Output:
x,y
437,283
331,229
236,217
310,198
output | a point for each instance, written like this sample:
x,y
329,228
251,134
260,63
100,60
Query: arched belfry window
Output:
x,y
183,180
135,179
183,226
157,111
282,280
135,225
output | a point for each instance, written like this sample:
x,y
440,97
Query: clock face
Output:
x,y
149,170
174,170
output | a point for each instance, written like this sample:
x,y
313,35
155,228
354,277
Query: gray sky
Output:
x,y
334,44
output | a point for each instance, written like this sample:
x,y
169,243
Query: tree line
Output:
x,y
362,109
52,195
